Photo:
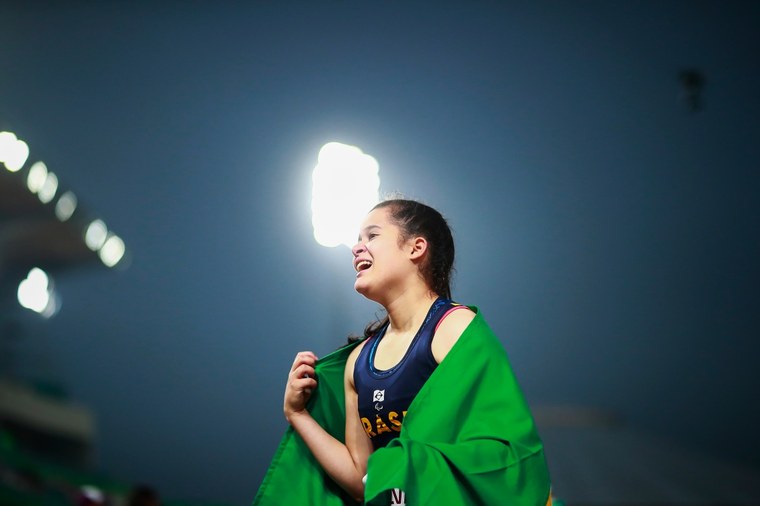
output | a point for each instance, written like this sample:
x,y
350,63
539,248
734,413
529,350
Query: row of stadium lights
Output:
x,y
36,291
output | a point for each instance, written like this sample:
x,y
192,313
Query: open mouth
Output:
x,y
363,265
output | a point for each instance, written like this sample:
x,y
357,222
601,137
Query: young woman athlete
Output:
x,y
403,261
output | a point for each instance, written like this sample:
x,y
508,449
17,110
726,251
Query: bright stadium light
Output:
x,y
7,144
48,189
66,205
345,186
37,176
13,151
112,251
36,292
33,291
95,235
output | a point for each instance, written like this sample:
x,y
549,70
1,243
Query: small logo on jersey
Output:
x,y
378,397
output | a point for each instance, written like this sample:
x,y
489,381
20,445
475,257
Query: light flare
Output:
x,y
345,186
95,235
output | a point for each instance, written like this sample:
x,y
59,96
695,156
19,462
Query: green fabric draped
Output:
x,y
294,477
467,438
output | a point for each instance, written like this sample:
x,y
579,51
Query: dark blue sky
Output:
x,y
609,235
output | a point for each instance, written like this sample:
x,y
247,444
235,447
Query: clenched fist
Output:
x,y
301,381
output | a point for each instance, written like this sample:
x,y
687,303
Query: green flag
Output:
x,y
468,438
294,477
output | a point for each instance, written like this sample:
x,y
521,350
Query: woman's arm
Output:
x,y
345,463
357,440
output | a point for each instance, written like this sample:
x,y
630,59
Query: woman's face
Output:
x,y
381,261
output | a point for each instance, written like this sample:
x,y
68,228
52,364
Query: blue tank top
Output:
x,y
385,396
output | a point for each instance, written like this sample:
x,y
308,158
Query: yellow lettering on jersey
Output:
x,y
394,421
368,427
381,427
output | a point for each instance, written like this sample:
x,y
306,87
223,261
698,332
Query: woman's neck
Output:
x,y
407,311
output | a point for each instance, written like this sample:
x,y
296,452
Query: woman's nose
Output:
x,y
358,248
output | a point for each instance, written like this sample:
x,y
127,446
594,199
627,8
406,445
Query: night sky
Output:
x,y
608,232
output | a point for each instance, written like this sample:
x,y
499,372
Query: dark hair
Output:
x,y
143,495
417,219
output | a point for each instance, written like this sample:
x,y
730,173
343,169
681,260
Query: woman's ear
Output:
x,y
419,248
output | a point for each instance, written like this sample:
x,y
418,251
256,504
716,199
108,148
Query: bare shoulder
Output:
x,y
350,362
449,330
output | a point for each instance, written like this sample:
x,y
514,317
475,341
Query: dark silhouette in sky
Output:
x,y
692,83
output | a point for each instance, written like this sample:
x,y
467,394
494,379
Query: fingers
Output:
x,y
305,385
302,378
303,371
303,365
304,357
297,392
301,382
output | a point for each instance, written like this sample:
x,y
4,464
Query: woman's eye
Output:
x,y
370,236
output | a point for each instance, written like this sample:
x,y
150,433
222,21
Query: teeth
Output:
x,y
364,264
